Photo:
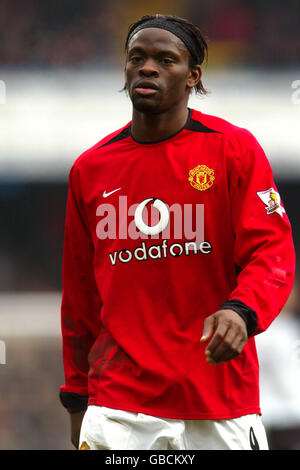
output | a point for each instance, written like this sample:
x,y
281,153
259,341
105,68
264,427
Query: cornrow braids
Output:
x,y
193,31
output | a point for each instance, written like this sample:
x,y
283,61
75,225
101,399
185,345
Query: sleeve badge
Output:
x,y
271,199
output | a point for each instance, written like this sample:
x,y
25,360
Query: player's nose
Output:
x,y
149,68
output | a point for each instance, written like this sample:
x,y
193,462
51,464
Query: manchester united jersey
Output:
x,y
158,236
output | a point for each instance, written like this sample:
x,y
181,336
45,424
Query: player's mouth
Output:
x,y
146,88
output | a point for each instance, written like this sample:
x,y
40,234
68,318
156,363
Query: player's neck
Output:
x,y
154,127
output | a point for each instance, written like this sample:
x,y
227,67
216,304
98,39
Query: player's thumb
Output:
x,y
208,328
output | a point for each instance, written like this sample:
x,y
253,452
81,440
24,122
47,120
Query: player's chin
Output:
x,y
148,104
149,108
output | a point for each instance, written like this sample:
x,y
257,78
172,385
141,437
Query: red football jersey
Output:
x,y
136,289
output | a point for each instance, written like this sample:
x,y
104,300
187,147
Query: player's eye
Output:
x,y
167,61
135,59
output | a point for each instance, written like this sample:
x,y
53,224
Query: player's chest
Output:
x,y
145,188
182,176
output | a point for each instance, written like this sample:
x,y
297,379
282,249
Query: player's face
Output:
x,y
157,72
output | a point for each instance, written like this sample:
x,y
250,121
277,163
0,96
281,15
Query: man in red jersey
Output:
x,y
159,320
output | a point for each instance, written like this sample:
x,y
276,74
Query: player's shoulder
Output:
x,y
232,132
97,149
240,145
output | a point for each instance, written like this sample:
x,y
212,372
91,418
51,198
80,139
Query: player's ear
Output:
x,y
194,76
125,87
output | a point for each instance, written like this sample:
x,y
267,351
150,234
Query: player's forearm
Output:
x,y
76,405
263,245
265,284
76,421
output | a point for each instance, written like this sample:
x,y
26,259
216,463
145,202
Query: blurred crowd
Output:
x,y
31,416
92,32
31,237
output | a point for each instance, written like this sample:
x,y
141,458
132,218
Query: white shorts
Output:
x,y
108,429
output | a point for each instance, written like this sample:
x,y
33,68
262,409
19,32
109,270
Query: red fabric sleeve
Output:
x,y
263,249
81,303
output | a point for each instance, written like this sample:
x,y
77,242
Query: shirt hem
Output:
x,y
231,414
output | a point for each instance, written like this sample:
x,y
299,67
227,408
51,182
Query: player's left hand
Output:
x,y
229,336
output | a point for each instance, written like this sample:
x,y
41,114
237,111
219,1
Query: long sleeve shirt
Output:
x,y
137,289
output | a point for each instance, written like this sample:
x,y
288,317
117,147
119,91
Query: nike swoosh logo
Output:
x,y
105,194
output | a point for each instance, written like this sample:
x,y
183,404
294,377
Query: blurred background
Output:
x,y
61,69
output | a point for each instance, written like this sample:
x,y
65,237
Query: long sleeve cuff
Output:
x,y
73,402
247,314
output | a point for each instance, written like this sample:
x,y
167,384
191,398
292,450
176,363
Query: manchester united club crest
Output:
x,y
271,199
201,177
